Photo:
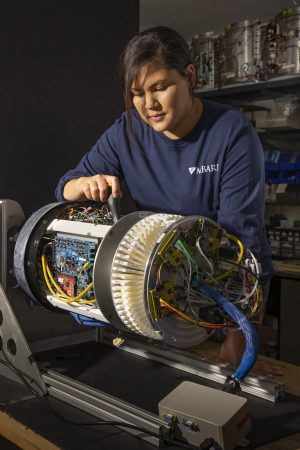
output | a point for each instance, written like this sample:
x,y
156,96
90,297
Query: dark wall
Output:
x,y
58,88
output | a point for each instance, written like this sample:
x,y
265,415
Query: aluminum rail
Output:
x,y
107,407
189,362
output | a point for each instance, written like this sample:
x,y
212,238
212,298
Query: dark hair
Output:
x,y
161,46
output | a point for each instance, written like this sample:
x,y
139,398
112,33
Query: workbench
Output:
x,y
27,423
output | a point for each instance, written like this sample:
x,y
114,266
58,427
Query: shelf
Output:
x,y
289,198
254,91
277,129
289,134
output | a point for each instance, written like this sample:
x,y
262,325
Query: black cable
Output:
x,y
181,444
242,267
109,422
40,398
98,422
21,376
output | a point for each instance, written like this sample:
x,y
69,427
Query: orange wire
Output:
x,y
189,319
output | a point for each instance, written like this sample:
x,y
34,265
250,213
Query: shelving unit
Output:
x,y
249,98
245,95
253,91
283,301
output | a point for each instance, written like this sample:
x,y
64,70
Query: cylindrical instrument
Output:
x,y
289,45
137,274
203,54
241,51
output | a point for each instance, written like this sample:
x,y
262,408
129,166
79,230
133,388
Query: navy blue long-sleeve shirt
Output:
x,y
216,170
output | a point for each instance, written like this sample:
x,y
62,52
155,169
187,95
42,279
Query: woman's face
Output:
x,y
163,99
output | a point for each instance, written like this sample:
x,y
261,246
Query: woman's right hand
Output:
x,y
92,188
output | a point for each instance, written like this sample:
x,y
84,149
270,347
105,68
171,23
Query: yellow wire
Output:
x,y
83,267
63,293
66,298
73,299
239,259
47,280
255,306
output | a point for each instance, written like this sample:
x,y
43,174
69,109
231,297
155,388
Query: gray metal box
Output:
x,y
201,412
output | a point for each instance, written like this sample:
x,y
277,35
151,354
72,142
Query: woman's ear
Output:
x,y
191,75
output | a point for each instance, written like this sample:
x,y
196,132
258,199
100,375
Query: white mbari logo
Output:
x,y
204,169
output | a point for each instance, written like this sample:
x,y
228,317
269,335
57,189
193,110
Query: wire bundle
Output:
x,y
236,282
251,350
97,216
60,294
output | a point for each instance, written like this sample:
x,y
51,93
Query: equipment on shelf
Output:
x,y
283,44
203,54
285,242
249,51
242,54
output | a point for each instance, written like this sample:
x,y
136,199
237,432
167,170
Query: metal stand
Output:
x,y
15,350
107,407
11,217
188,362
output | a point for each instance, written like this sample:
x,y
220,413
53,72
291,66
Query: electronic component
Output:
x,y
199,413
68,284
71,260
140,274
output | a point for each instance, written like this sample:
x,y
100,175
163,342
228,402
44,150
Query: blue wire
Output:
x,y
88,321
250,333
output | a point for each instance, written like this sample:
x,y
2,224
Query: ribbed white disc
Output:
x,y
128,270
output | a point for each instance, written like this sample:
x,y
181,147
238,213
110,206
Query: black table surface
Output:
x,y
136,380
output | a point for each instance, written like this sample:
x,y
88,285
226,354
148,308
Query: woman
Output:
x,y
178,153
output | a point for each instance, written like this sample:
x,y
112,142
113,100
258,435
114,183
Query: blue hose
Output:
x,y
250,333
88,321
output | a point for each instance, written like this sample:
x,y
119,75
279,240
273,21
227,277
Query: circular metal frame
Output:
x,y
103,264
27,250
150,280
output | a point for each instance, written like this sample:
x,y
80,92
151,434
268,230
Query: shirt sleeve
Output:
x,y
101,159
241,207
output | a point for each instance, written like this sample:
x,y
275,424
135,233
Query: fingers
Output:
x,y
115,186
88,188
96,188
